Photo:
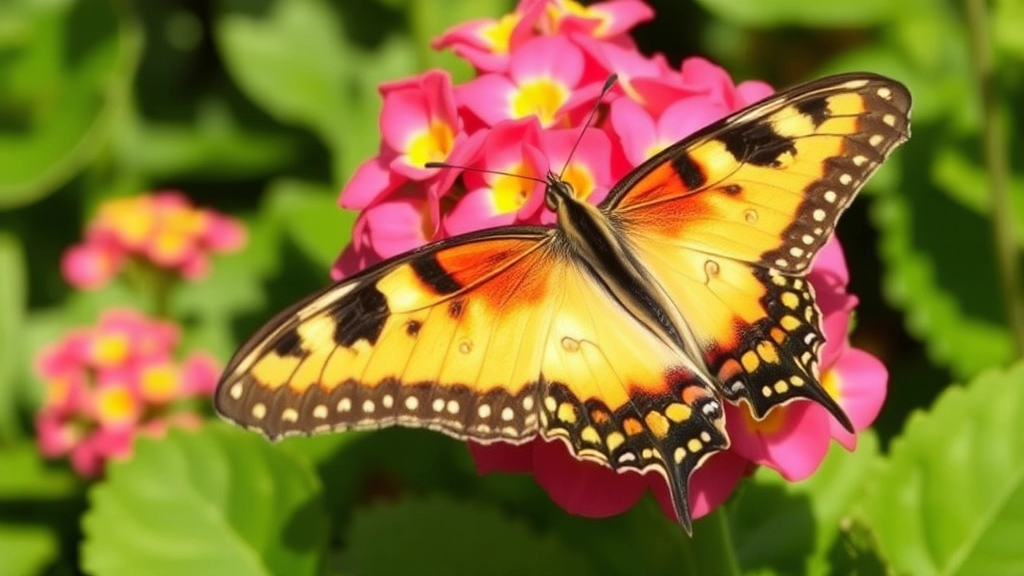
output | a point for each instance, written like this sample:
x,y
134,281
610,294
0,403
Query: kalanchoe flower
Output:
x,y
108,383
162,230
520,117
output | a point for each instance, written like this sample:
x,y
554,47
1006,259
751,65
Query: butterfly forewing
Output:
x,y
411,342
729,221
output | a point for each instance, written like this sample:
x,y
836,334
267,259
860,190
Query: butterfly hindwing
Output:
x,y
729,220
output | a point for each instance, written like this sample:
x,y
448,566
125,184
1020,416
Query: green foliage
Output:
x,y
476,540
13,288
804,527
66,68
950,499
216,501
264,109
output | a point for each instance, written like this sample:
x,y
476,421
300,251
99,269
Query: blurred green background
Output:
x,y
263,108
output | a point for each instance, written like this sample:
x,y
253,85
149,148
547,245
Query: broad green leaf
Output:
x,y
216,501
441,536
950,500
311,217
65,68
26,550
796,527
13,299
800,12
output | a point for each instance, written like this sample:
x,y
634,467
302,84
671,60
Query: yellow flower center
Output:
x,y
169,244
431,145
581,180
159,383
559,10
130,217
511,192
832,384
771,424
542,97
110,349
499,34
115,404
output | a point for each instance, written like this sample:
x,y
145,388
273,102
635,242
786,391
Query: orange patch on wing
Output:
x,y
632,426
599,416
661,183
691,394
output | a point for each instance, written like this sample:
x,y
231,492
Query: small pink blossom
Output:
x,y
540,71
162,230
545,79
106,383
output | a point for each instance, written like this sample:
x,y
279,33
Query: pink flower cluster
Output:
x,y
110,382
162,229
540,71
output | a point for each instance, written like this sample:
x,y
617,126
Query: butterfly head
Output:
x,y
557,192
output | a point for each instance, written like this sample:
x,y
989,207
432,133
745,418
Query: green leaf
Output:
x,y
215,143
800,12
311,217
441,536
966,180
796,527
26,550
65,68
217,501
656,544
13,299
1007,18
27,476
951,498
293,60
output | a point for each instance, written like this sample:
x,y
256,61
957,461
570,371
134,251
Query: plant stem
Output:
x,y
710,550
997,166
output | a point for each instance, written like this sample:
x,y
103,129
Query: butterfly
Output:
x,y
622,330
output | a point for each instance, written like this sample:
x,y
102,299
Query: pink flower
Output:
x,y
545,80
541,71
161,230
106,383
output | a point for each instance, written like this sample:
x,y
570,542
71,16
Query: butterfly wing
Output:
x,y
729,220
500,335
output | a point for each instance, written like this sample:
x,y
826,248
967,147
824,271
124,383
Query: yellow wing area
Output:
x,y
728,222
497,336
767,185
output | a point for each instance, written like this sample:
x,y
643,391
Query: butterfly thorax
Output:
x,y
598,244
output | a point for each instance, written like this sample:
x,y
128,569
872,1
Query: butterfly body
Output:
x,y
619,332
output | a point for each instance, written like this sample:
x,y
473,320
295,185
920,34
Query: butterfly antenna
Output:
x,y
483,171
590,118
